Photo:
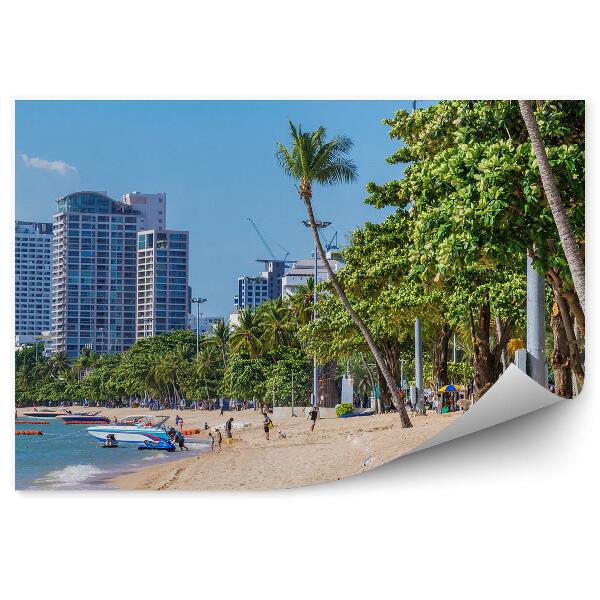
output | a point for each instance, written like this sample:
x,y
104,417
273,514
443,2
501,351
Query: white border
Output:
x,y
505,513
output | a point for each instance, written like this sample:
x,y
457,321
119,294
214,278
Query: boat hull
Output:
x,y
139,436
83,419
42,415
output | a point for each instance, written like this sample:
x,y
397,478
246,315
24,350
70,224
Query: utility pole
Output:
x,y
198,302
418,365
454,348
292,393
320,225
536,342
418,346
402,361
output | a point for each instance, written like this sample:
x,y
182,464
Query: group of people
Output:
x,y
217,436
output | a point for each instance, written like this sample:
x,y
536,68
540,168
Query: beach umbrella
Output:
x,y
451,388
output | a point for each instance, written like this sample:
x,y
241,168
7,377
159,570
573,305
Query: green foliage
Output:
x,y
344,409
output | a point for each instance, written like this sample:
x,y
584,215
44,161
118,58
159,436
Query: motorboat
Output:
x,y
83,418
146,432
43,414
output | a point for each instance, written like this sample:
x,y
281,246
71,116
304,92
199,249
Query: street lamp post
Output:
x,y
198,302
402,361
418,366
320,225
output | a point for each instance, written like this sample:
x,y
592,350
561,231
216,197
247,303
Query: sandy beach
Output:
x,y
337,448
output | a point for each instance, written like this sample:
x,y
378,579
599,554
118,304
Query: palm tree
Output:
x,y
278,330
219,338
245,338
206,365
312,160
58,364
302,301
85,361
559,213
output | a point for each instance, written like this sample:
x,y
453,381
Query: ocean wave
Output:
x,y
70,476
155,456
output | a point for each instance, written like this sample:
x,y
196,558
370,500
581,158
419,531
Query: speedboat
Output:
x,y
83,418
44,414
146,433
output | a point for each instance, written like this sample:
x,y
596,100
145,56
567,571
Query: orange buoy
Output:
x,y
190,431
28,432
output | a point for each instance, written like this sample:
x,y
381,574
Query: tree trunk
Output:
x,y
370,376
563,225
440,354
567,321
384,392
404,420
486,362
561,365
571,298
503,357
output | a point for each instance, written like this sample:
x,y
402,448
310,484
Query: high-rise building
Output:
x,y
33,258
304,269
162,281
254,290
93,273
152,209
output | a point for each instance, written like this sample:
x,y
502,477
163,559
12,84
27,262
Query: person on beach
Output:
x,y
219,438
212,440
267,424
206,426
178,421
313,414
228,426
180,441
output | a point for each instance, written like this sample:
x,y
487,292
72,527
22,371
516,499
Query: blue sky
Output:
x,y
216,162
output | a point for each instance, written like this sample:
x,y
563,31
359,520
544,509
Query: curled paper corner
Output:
x,y
513,395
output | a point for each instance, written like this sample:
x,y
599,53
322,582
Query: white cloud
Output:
x,y
59,166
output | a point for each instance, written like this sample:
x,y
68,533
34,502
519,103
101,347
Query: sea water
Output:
x,y
67,457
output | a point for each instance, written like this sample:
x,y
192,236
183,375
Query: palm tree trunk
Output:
x,y
561,219
393,388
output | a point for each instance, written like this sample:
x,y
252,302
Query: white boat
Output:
x,y
143,431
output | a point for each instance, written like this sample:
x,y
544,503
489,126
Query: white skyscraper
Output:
x,y
94,273
152,209
162,282
33,257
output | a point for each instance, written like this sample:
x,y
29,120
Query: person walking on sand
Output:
x,y
313,414
181,441
267,424
212,440
178,422
219,438
228,426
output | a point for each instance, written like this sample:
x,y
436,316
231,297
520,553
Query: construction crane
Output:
x,y
262,239
266,245
332,244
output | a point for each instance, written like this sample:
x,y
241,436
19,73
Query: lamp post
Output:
x,y
320,225
198,302
402,361
418,366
